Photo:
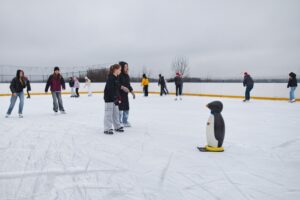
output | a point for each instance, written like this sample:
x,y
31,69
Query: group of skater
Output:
x,y
75,85
116,92
292,84
163,85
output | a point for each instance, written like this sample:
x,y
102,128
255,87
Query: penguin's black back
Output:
x,y
219,128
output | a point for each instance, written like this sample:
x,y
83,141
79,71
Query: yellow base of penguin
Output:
x,y
214,149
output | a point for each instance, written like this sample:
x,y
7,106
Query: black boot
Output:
x,y
121,129
109,132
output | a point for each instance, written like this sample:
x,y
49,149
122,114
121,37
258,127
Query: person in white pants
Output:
x,y
112,100
88,85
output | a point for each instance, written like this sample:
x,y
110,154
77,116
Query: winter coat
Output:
x,y
112,89
17,85
248,81
162,82
292,80
178,81
76,83
124,81
145,82
55,82
27,84
87,83
71,83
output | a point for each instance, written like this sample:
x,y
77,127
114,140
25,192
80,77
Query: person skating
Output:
x,y
16,87
88,86
293,85
28,87
178,85
56,83
124,90
248,83
112,100
162,84
145,84
76,86
71,84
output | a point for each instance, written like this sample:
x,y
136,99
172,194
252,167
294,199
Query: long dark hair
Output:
x,y
144,76
122,64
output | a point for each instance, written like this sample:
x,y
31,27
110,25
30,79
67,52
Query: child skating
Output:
x,y
293,85
76,86
88,86
145,84
71,84
112,100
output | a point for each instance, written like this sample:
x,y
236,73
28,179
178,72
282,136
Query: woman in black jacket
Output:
x,y
293,85
16,86
112,100
124,90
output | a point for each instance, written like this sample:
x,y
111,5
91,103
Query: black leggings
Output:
x,y
178,90
146,90
163,90
77,92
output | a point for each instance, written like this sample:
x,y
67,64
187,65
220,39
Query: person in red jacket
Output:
x,y
56,82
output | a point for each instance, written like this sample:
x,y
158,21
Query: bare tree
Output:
x,y
181,65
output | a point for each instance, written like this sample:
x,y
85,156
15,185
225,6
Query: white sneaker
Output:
x,y
20,116
176,99
7,116
293,100
63,112
127,125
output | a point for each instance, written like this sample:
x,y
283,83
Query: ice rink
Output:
x,y
60,157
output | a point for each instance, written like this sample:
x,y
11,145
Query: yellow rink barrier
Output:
x,y
173,93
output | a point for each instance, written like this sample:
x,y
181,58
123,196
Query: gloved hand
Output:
x,y
117,101
133,95
125,89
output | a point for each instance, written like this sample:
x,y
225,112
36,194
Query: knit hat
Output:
x,y
56,68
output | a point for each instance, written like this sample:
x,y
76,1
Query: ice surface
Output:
x,y
44,156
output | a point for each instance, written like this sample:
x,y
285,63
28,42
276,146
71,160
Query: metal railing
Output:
x,y
41,78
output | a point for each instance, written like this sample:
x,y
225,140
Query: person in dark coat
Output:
x,y
162,84
71,84
179,85
112,99
56,82
124,90
249,84
28,87
293,85
16,87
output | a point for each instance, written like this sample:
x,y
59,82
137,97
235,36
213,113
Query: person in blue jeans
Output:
x,y
293,85
125,89
16,87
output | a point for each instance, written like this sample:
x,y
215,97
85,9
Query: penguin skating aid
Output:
x,y
215,129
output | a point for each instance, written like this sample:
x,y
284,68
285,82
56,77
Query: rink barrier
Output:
x,y
173,93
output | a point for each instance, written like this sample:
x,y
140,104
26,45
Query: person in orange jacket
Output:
x,y
145,84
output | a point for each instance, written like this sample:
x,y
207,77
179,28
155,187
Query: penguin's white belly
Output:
x,y
210,132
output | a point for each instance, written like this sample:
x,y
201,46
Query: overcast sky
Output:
x,y
219,38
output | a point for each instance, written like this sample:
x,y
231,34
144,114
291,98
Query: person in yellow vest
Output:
x,y
145,84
